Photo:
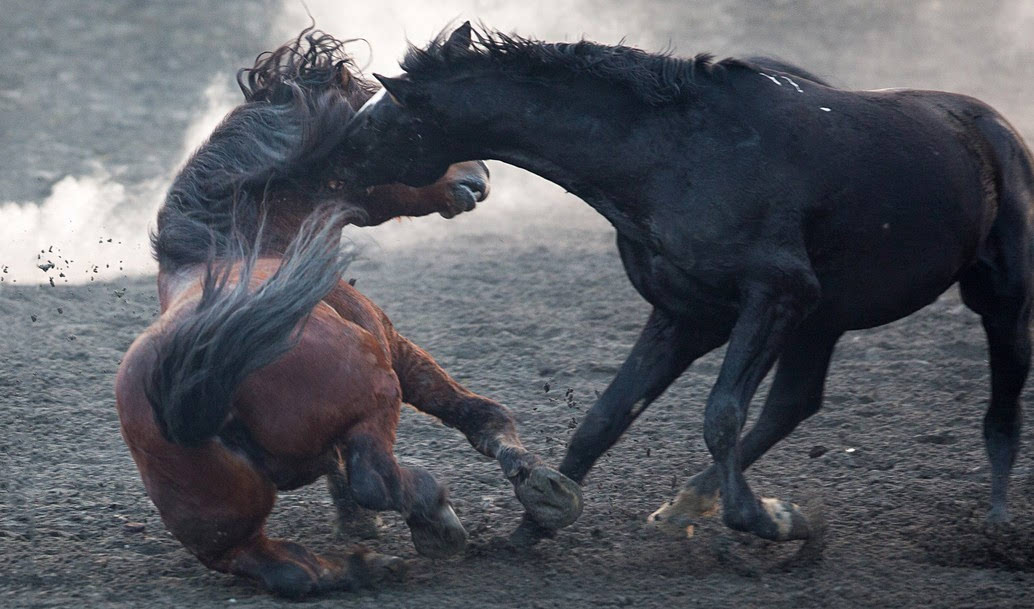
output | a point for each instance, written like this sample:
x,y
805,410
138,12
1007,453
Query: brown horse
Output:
x,y
265,371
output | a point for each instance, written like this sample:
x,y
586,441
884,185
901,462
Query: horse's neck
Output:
x,y
582,149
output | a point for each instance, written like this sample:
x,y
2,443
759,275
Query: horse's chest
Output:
x,y
670,288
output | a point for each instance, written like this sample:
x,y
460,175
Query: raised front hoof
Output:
x,y
679,516
552,500
530,533
441,536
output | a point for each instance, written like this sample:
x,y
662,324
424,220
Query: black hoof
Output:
x,y
553,500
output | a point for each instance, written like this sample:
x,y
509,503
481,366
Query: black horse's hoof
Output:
x,y
679,516
553,500
789,521
439,537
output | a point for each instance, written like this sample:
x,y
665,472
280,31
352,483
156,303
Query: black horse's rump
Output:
x,y
298,100
754,206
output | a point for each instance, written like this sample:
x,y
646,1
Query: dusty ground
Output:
x,y
904,508
903,480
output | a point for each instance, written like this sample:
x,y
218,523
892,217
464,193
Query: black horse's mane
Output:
x,y
655,78
298,100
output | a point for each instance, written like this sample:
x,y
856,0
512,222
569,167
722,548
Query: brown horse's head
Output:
x,y
273,160
315,68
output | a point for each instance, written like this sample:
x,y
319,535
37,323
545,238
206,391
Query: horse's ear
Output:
x,y
399,89
460,39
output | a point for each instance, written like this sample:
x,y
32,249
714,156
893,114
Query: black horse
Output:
x,y
753,206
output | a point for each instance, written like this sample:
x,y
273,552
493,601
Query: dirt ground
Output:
x,y
894,462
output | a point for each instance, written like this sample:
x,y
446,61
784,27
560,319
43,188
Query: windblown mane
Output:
x,y
656,78
298,100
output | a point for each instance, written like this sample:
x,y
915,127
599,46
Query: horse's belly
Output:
x,y
867,287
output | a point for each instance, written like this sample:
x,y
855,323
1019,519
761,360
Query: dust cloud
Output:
x,y
99,220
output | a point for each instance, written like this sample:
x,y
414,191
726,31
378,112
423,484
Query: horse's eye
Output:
x,y
335,184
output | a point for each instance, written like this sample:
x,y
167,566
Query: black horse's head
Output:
x,y
397,135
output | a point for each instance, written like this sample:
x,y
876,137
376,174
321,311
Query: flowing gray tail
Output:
x,y
235,330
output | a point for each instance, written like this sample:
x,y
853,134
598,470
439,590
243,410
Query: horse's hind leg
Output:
x,y
215,503
796,394
553,500
352,521
379,483
1000,291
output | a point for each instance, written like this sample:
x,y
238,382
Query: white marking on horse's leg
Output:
x,y
772,78
675,517
789,80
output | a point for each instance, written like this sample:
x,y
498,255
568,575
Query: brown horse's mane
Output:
x,y
297,101
655,78
314,61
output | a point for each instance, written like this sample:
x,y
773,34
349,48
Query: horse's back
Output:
x,y
900,191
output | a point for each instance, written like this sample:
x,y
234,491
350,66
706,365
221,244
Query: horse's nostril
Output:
x,y
478,187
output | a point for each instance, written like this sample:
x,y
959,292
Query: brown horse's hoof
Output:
x,y
440,537
530,533
372,569
553,500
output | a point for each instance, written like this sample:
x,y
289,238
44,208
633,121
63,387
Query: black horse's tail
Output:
x,y
234,330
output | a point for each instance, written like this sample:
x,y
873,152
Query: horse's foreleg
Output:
x,y
553,500
766,322
796,394
379,483
664,350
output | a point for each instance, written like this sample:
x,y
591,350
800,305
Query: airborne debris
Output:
x,y
46,267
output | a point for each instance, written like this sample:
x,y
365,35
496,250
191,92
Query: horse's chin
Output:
x,y
452,212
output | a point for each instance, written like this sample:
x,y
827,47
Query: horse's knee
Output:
x,y
371,488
